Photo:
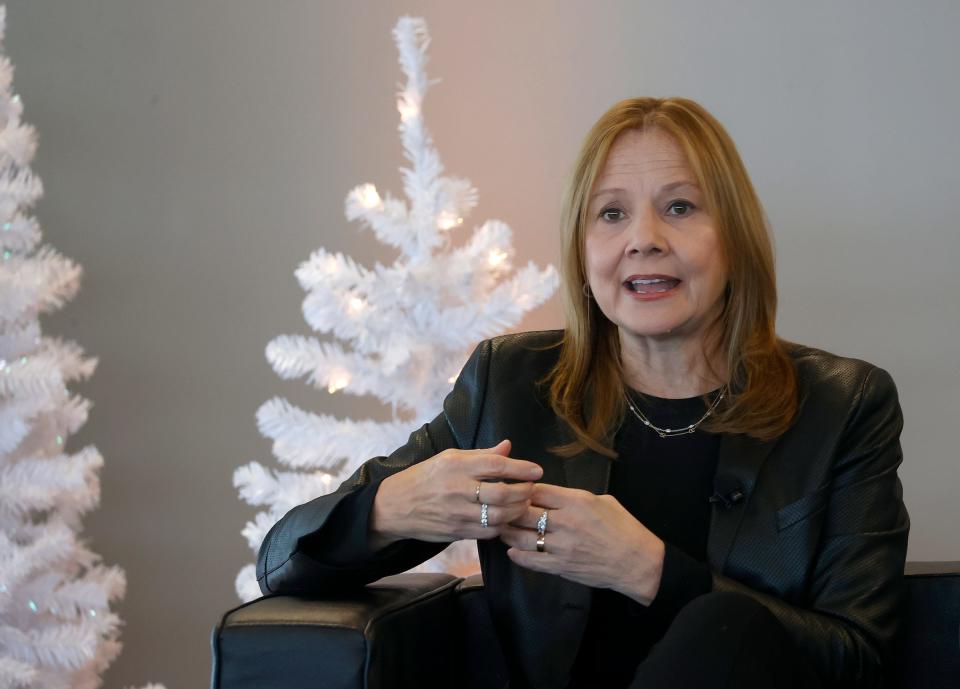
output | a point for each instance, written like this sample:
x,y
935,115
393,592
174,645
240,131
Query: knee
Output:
x,y
734,637
725,607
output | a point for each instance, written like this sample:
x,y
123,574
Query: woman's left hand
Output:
x,y
591,539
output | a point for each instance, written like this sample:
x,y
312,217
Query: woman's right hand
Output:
x,y
435,500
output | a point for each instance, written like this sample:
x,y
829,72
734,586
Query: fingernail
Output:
x,y
536,472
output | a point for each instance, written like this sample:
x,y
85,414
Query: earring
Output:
x,y
586,290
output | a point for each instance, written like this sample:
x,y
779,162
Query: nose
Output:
x,y
646,235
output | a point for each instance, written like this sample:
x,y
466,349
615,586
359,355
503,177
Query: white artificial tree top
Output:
x,y
401,332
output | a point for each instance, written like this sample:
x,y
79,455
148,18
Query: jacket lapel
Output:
x,y
562,633
741,458
558,608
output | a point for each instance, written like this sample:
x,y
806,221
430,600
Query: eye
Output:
x,y
680,207
606,214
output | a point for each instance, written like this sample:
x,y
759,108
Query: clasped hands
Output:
x,y
591,539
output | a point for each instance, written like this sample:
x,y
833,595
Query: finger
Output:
x,y
547,495
501,516
531,559
526,539
530,518
499,467
495,493
497,518
502,448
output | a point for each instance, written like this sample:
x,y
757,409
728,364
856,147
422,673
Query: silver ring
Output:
x,y
483,515
542,524
478,492
541,543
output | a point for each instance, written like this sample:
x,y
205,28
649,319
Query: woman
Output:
x,y
664,493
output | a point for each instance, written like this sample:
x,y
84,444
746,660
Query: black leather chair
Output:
x,y
433,630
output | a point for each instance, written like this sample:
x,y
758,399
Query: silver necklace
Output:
x,y
670,432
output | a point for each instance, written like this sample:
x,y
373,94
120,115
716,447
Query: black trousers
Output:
x,y
725,641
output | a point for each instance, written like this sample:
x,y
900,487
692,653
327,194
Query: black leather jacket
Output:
x,y
819,537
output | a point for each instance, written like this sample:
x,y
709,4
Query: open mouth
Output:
x,y
651,285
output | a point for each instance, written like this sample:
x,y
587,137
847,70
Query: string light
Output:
x,y
356,305
408,110
338,381
447,220
497,256
368,196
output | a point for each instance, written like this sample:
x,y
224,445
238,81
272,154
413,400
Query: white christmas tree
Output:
x,y
410,325
56,627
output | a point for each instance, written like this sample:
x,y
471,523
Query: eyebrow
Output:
x,y
664,188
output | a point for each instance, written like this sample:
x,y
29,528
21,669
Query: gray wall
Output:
x,y
195,152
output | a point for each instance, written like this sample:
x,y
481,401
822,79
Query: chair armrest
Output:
x,y
393,632
927,650
932,569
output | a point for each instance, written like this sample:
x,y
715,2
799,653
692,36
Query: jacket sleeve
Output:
x,y
856,584
683,579
301,554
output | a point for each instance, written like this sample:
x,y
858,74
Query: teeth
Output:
x,y
647,282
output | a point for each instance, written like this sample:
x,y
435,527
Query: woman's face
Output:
x,y
654,259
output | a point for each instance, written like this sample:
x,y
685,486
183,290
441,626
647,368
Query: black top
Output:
x,y
666,483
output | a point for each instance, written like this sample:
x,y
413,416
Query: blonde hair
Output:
x,y
587,383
